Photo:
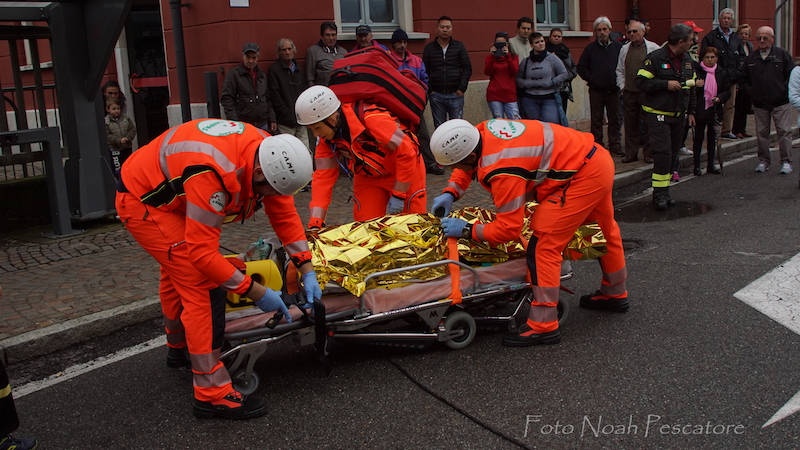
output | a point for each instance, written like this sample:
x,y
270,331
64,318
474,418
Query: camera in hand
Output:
x,y
498,52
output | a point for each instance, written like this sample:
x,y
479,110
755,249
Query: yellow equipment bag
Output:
x,y
264,272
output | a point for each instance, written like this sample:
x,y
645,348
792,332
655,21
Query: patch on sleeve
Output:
x,y
505,129
218,128
218,201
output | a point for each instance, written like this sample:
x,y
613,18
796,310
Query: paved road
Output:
x,y
687,353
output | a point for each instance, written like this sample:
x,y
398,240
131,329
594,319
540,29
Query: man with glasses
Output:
x,y
731,57
286,82
631,57
767,71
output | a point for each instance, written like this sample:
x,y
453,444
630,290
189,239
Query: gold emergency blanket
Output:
x,y
347,254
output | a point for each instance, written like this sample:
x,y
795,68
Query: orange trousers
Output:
x,y
192,305
371,194
587,199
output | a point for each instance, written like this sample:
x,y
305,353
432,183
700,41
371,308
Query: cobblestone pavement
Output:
x,y
49,281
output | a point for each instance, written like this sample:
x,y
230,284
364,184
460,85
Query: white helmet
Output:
x,y
315,104
286,163
453,141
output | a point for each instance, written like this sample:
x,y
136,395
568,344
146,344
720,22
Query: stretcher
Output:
x,y
446,310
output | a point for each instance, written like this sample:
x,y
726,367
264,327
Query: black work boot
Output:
x,y
177,358
9,443
525,337
602,302
234,406
662,199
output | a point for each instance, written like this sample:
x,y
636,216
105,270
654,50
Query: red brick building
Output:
x,y
214,31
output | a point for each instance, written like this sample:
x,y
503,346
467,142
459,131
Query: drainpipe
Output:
x,y
635,8
180,58
779,31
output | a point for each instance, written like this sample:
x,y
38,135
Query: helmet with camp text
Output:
x,y
286,163
453,141
316,104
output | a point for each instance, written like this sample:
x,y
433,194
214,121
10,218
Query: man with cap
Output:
x,y
244,92
409,61
570,176
173,196
364,39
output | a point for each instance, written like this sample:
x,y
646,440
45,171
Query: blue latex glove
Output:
x,y
272,301
395,205
442,204
453,227
311,286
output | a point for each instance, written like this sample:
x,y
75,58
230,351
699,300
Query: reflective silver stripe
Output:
x,y
162,161
297,247
616,282
217,378
401,187
234,281
204,216
325,163
204,363
194,147
457,188
397,138
545,294
543,314
512,205
262,132
479,231
617,277
513,152
318,212
547,154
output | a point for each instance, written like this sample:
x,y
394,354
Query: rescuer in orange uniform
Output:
x,y
173,196
381,153
567,173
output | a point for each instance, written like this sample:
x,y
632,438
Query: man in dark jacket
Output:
x,y
730,59
597,67
286,82
666,80
449,70
244,92
767,71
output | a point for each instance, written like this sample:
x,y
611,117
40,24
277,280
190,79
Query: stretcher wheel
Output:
x,y
245,384
563,312
460,320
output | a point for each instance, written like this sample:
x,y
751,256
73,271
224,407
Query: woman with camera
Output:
x,y
501,66
539,78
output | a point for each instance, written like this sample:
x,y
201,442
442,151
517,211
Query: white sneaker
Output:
x,y
762,167
685,151
786,168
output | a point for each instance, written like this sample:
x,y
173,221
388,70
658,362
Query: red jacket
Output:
x,y
521,160
203,170
502,74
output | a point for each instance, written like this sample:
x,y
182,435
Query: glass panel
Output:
x,y
351,11
558,11
381,11
541,15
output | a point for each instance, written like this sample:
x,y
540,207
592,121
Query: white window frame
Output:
x,y
547,24
573,25
405,20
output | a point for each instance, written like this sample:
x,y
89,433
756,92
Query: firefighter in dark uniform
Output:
x,y
667,79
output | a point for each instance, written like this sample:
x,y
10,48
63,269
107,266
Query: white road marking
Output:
x,y
775,295
80,369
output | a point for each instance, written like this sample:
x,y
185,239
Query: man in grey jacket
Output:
x,y
320,56
631,57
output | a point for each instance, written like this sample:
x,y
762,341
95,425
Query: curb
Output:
x,y
75,331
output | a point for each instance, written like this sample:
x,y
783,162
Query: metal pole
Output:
x,y
212,94
779,26
180,58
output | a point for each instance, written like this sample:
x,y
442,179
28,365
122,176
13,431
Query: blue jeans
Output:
x,y
543,109
444,105
508,110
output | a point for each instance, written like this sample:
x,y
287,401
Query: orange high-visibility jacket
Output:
x,y
203,169
520,161
378,146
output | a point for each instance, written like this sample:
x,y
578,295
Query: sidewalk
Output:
x,y
60,292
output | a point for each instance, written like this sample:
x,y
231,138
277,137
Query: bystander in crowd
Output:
x,y
539,80
501,67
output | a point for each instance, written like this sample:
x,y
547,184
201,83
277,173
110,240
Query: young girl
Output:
x,y
120,131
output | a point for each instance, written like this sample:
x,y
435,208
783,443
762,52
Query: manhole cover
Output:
x,y
643,211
